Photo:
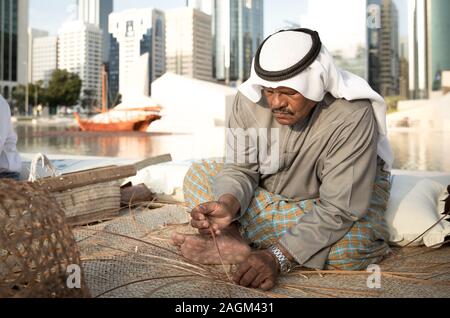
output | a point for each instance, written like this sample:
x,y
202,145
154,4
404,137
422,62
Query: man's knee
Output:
x,y
354,259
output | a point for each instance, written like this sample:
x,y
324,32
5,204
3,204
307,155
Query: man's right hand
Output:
x,y
216,215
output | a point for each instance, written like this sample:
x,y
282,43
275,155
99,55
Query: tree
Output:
x,y
88,99
18,97
38,93
63,88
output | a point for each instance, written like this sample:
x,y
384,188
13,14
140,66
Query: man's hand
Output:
x,y
260,270
216,215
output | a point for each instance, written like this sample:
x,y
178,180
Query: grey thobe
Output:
x,y
331,155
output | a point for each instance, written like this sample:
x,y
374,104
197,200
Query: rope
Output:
x,y
46,164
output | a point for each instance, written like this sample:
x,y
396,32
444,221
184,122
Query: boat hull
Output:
x,y
138,124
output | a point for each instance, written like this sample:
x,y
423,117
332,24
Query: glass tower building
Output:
x,y
13,45
417,49
238,29
136,32
113,72
439,41
383,47
97,12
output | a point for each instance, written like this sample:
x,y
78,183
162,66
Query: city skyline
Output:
x,y
231,64
282,12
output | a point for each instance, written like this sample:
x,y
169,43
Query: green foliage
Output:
x,y
18,96
63,88
88,99
36,94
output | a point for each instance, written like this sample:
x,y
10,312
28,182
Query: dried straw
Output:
x,y
191,270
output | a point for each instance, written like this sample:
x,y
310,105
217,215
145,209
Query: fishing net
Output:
x,y
36,244
131,256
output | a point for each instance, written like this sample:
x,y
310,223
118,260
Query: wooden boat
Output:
x,y
139,123
120,118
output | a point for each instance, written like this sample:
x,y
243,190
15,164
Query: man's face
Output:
x,y
288,106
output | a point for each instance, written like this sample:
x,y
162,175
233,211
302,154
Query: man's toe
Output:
x,y
178,239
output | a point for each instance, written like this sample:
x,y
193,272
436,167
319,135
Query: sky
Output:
x,y
49,15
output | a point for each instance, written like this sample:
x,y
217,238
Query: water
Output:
x,y
67,140
421,150
414,150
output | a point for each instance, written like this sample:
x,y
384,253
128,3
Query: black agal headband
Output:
x,y
307,60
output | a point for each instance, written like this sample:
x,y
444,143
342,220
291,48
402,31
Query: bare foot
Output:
x,y
201,249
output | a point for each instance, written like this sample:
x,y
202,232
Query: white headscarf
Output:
x,y
284,49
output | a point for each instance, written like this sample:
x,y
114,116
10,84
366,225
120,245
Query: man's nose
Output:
x,y
278,101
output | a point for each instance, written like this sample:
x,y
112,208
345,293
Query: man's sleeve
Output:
x,y
240,175
347,181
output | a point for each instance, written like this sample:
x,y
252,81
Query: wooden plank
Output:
x,y
80,179
93,217
152,161
86,170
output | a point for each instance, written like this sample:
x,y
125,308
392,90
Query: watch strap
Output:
x,y
283,261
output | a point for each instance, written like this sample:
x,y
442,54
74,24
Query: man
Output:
x,y
10,162
323,205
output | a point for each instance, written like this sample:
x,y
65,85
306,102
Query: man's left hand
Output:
x,y
260,270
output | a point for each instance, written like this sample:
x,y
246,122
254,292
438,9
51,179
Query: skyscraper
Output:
x,y
383,46
33,34
238,30
373,43
13,45
428,45
97,12
189,43
113,73
417,49
45,58
202,5
404,69
439,41
80,52
138,31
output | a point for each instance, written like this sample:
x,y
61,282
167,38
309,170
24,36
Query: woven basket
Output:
x,y
36,244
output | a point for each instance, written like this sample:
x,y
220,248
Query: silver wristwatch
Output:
x,y
285,264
